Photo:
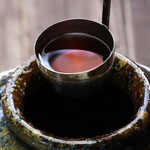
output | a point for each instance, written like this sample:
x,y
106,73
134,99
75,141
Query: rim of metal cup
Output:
x,y
85,74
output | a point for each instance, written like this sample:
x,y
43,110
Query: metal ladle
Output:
x,y
84,83
106,12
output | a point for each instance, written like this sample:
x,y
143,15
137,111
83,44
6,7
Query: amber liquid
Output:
x,y
73,53
106,111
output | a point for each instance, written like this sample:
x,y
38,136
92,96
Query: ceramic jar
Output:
x,y
125,74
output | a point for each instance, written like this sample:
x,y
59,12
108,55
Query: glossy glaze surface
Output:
x,y
38,136
8,140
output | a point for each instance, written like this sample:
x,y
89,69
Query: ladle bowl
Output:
x,y
80,84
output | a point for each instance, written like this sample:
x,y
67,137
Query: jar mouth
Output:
x,y
123,67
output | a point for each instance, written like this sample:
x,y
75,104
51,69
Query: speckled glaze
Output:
x,y
8,140
124,72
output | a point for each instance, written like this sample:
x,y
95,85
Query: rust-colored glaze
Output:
x,y
124,73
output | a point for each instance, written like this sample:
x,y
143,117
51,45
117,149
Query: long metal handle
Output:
x,y
106,12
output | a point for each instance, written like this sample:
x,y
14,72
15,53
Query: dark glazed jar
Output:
x,y
125,73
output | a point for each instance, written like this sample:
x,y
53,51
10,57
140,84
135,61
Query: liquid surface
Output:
x,y
74,61
74,52
105,112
